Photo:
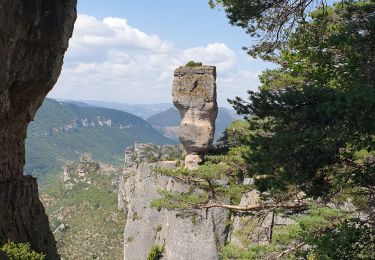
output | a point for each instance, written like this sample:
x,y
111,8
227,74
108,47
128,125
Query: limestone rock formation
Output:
x,y
185,236
194,95
194,236
34,36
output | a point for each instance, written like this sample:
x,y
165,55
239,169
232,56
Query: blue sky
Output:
x,y
187,23
126,51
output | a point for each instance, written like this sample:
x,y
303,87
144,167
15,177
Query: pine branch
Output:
x,y
299,206
288,251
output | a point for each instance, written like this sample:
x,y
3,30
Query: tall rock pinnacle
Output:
x,y
194,95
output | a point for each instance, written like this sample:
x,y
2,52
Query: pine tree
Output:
x,y
307,143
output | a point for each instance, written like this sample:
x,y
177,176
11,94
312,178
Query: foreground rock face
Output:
x,y
34,36
195,236
22,216
185,236
194,95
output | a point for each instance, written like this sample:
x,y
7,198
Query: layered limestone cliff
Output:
x,y
197,235
193,236
194,95
34,36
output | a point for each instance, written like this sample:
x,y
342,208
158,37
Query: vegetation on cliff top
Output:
x,y
193,64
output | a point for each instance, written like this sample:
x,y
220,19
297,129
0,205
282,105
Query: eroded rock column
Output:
x,y
194,95
34,36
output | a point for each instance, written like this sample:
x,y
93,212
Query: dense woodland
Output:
x,y
307,143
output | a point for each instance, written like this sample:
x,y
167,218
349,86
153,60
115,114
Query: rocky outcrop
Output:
x,y
34,36
185,235
194,95
22,216
197,235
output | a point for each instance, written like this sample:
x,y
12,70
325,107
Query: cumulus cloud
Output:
x,y
110,60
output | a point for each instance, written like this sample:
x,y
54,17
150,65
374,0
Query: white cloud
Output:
x,y
110,60
112,33
215,53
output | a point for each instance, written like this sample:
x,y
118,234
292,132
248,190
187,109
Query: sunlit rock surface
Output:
x,y
197,235
194,95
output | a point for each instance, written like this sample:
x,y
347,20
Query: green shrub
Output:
x,y
158,228
193,64
156,252
21,251
153,159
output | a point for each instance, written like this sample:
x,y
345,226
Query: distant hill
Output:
x,y
63,131
167,122
142,110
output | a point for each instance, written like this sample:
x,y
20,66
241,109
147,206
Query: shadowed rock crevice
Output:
x,y
34,36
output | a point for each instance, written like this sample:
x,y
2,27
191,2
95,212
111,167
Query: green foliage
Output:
x,y
20,251
309,133
155,153
308,136
270,22
177,200
193,64
85,211
153,159
329,234
230,252
312,130
213,182
235,134
156,252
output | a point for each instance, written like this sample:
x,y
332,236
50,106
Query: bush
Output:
x,y
153,159
156,252
21,251
193,64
